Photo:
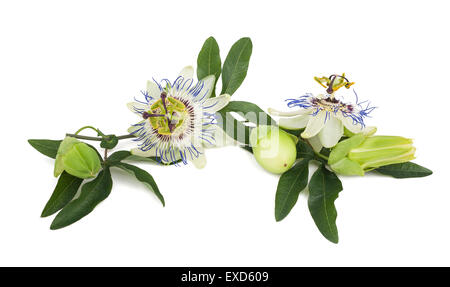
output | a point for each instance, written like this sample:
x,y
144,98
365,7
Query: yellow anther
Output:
x,y
337,82
176,104
323,80
157,107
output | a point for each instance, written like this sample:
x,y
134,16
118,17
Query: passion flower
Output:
x,y
325,117
177,119
273,148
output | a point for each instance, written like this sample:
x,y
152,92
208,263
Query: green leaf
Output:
x,y
249,111
65,190
236,65
50,147
304,150
92,193
208,61
143,177
324,188
109,142
404,170
118,156
152,159
291,183
126,155
46,147
239,131
121,155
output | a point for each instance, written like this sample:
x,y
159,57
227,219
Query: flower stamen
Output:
x,y
177,118
166,115
331,84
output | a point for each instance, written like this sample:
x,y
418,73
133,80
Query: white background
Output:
x,y
65,64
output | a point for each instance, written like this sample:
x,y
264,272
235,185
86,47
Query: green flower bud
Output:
x,y
383,150
273,148
77,159
362,153
64,147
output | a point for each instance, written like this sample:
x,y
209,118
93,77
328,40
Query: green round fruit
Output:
x,y
273,148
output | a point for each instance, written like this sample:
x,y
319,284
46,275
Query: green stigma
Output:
x,y
166,115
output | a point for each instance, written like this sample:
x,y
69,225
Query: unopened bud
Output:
x,y
361,153
77,159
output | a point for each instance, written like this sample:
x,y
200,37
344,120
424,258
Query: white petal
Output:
x,y
135,128
137,108
187,72
274,112
153,90
200,161
294,123
138,152
315,143
208,87
321,96
332,132
350,125
215,104
315,124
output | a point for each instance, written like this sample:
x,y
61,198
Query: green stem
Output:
x,y
98,138
89,127
321,155
317,153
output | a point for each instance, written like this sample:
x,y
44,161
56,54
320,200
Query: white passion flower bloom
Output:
x,y
324,117
177,119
